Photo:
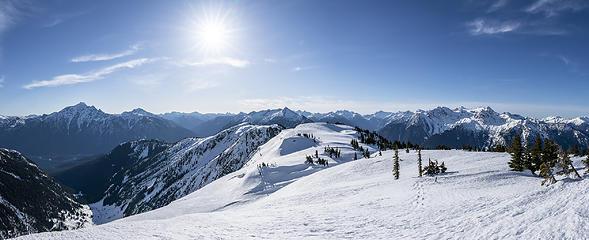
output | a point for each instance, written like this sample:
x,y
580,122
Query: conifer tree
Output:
x,y
549,159
576,150
396,165
516,150
528,156
536,155
419,162
355,156
316,154
565,164
443,168
406,150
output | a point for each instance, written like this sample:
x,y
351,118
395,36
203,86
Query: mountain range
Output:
x,y
85,130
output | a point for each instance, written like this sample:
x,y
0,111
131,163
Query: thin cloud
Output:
x,y
233,62
10,11
299,68
554,7
69,79
565,60
497,5
1,81
269,60
104,57
59,19
482,26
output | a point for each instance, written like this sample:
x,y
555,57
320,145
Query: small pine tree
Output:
x,y
419,162
355,156
516,150
396,165
576,150
443,168
309,160
316,154
407,150
565,164
536,155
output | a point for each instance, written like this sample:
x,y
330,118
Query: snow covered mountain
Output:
x,y
83,129
284,117
276,195
155,173
191,120
31,201
481,127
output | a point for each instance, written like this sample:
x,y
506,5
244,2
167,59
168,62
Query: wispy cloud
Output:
x,y
103,57
61,18
10,11
269,60
69,79
482,26
1,81
497,5
554,7
564,59
300,68
233,62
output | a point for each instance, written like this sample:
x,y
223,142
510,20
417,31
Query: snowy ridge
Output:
x,y
478,198
83,129
155,181
31,201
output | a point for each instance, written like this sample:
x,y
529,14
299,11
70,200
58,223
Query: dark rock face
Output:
x,y
31,201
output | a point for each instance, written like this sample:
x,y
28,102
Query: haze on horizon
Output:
x,y
525,57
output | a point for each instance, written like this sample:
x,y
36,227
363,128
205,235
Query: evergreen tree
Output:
x,y
419,162
549,159
396,165
536,155
516,150
355,156
316,154
528,156
406,150
550,152
576,150
443,168
565,164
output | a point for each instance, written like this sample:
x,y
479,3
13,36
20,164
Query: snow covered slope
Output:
x,y
150,181
31,201
478,198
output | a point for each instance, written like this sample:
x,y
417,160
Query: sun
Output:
x,y
213,31
213,36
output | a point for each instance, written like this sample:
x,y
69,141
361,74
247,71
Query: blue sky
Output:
x,y
528,57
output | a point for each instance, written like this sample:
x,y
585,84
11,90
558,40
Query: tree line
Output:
x,y
545,157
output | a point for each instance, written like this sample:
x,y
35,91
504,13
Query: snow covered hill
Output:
x,y
276,195
157,173
82,129
31,201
